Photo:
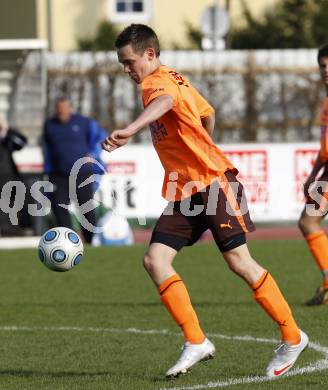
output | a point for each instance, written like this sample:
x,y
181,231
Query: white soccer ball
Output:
x,y
60,249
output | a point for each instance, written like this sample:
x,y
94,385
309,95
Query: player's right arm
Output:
x,y
156,108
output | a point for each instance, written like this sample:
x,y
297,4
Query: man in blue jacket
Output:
x,y
68,137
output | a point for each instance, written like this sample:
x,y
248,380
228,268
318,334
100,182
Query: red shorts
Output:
x,y
220,207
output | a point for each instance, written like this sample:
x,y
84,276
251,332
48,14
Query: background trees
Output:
x,y
291,24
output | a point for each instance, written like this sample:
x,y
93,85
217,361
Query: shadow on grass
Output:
x,y
126,305
79,304
159,380
228,304
68,374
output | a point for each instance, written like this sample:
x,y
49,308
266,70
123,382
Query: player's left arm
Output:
x,y
206,111
156,108
208,123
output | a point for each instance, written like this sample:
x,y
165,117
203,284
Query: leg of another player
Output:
x,y
317,242
309,224
267,294
174,295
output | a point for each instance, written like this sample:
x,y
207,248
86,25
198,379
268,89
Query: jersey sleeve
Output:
x,y
203,107
158,86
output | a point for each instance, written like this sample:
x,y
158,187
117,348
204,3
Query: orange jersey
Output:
x,y
187,152
324,130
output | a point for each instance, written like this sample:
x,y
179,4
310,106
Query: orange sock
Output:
x,y
268,295
176,299
318,245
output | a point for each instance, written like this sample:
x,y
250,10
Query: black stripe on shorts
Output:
x,y
170,240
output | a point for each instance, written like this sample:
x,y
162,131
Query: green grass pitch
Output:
x,y
67,331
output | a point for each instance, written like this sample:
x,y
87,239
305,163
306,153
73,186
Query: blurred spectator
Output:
x,y
68,137
10,141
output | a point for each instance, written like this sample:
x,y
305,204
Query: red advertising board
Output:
x,y
253,173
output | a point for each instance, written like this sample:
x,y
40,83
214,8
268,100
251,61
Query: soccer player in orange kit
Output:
x,y
315,208
203,193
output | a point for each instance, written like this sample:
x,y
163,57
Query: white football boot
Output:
x,y
190,355
286,356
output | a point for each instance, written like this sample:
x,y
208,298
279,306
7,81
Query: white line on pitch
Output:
x,y
319,365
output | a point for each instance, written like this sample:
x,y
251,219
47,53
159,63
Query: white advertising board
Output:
x,y
272,175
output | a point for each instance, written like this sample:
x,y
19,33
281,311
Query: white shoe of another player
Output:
x,y
286,356
190,355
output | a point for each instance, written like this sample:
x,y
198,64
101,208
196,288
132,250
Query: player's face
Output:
x,y
136,65
323,66
63,111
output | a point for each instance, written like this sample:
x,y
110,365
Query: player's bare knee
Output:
x,y
308,225
148,262
303,225
245,267
239,270
152,263
236,265
239,259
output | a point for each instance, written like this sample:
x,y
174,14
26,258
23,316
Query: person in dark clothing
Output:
x,y
10,141
68,137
